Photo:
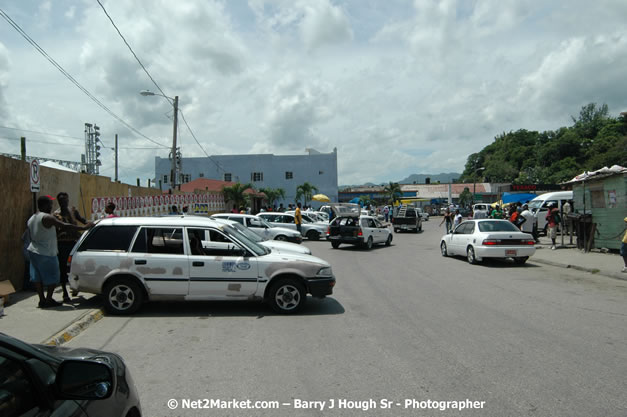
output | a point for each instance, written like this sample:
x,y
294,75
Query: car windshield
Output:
x,y
255,247
535,204
496,226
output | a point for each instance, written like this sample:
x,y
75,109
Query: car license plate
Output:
x,y
510,252
403,226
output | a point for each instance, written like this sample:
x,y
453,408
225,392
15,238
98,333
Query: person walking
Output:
x,y
552,219
66,238
43,250
448,219
623,247
457,219
386,213
298,218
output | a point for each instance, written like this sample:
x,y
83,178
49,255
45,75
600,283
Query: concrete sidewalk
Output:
x,y
568,256
25,321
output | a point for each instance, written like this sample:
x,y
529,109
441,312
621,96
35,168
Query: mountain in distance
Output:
x,y
444,178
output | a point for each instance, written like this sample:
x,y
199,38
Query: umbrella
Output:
x,y
321,197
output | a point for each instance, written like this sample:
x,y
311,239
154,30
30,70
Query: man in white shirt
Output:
x,y
458,219
530,221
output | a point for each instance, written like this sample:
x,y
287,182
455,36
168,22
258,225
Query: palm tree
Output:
x,y
394,191
306,191
235,194
273,194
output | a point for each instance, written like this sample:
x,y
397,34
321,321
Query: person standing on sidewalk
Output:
x,y
43,250
623,247
298,218
66,238
552,219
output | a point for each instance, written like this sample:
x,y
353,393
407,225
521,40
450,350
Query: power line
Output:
x,y
72,79
41,133
135,55
155,83
73,145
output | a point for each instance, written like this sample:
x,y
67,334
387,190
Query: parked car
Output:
x,y
423,214
312,231
38,380
539,206
277,246
132,259
407,219
481,210
364,231
488,238
262,227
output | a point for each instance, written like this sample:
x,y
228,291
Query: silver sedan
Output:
x,y
488,238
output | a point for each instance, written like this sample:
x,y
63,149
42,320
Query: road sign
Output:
x,y
35,179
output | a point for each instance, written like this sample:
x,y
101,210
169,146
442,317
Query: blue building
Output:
x,y
261,170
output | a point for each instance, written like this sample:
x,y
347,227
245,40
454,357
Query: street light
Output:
x,y
474,184
173,168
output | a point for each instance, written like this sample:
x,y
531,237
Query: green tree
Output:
x,y
273,194
393,191
364,199
305,191
235,194
465,197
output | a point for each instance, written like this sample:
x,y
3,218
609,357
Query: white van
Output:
x,y
539,206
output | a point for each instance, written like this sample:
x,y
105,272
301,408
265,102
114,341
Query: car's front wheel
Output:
x,y
282,238
335,244
123,296
443,249
287,296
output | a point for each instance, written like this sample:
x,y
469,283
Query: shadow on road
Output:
x,y
205,309
497,263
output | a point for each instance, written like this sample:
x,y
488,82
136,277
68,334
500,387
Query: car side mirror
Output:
x,y
84,380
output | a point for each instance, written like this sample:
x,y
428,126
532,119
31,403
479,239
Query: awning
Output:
x,y
517,197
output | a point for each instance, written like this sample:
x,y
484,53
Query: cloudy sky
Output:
x,y
399,87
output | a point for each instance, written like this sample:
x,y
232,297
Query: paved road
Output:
x,y
404,323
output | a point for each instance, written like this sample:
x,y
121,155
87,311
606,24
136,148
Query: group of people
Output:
x,y
50,236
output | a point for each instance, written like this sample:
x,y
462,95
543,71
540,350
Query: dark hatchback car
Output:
x,y
38,380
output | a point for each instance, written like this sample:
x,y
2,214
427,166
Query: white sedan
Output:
x,y
487,238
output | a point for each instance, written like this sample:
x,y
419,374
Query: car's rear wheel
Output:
x,y
521,260
123,296
335,245
313,235
369,243
443,249
470,255
388,242
282,238
287,296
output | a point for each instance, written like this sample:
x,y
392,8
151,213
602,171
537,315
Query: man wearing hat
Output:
x,y
43,250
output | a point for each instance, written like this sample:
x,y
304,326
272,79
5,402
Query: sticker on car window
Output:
x,y
228,266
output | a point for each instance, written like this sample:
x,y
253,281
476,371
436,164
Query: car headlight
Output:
x,y
326,272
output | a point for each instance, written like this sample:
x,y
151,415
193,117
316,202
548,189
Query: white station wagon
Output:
x,y
134,259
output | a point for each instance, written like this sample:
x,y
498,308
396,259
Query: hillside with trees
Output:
x,y
593,141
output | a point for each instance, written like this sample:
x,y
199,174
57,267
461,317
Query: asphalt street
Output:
x,y
404,324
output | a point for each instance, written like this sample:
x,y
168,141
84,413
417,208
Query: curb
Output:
x,y
580,268
74,328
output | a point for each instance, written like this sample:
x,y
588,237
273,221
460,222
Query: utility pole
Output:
x,y
116,157
23,148
173,171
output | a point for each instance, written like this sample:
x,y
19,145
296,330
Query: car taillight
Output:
x,y
69,262
491,242
359,232
329,230
529,242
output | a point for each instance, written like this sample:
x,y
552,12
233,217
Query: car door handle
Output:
x,y
140,262
198,263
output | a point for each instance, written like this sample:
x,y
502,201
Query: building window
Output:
x,y
320,172
202,174
256,176
185,178
289,175
227,176
165,179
